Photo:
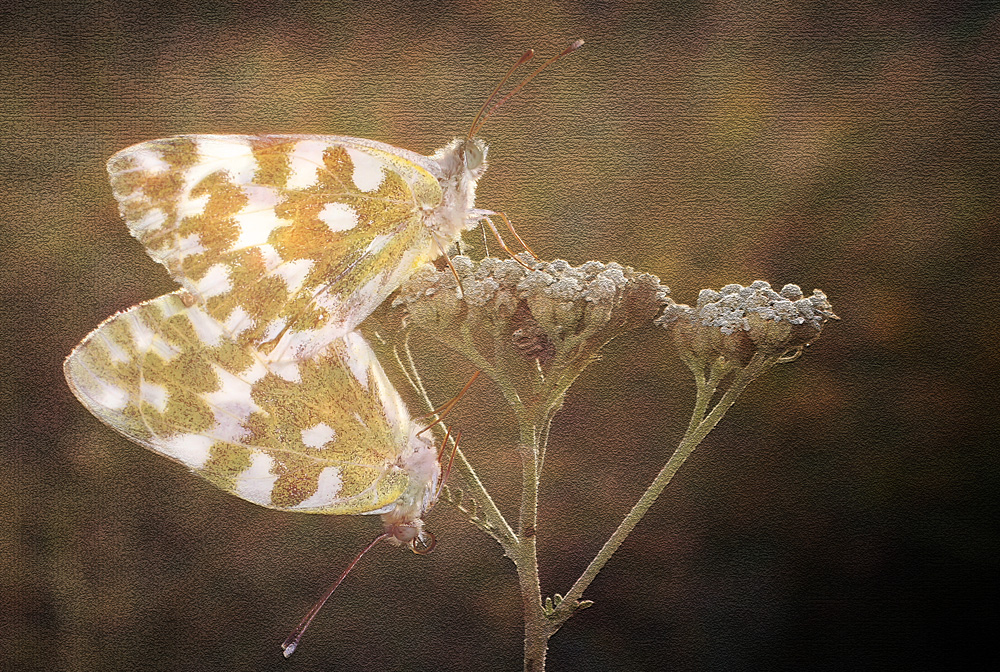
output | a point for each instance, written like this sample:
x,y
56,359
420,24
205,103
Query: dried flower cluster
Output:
x,y
736,321
520,324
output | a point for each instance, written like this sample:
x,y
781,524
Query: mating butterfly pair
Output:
x,y
253,374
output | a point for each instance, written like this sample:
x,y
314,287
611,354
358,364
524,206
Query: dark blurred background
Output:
x,y
842,516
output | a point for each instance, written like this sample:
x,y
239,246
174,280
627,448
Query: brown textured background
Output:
x,y
843,516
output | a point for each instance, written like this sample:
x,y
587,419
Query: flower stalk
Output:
x,y
534,326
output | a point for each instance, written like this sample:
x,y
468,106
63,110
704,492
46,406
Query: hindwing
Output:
x,y
324,435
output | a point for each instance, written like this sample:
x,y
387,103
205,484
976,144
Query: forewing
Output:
x,y
288,241
322,435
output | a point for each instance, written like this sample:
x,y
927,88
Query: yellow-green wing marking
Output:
x,y
324,435
287,241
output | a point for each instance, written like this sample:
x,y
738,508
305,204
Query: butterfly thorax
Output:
x,y
404,522
462,162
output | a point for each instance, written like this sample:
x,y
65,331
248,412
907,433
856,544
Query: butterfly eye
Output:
x,y
473,156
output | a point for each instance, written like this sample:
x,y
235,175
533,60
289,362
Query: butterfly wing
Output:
x,y
288,241
324,435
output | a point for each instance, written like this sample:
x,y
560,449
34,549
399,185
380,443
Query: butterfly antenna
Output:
x,y
292,643
525,57
481,118
450,404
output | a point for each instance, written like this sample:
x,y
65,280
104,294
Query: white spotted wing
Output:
x,y
290,241
323,435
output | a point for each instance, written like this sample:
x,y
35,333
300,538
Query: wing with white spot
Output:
x,y
323,435
289,241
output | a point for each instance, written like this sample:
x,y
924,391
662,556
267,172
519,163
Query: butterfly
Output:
x,y
328,434
253,375
290,241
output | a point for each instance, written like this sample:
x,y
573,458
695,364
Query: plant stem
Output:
x,y
526,558
505,535
695,434
498,524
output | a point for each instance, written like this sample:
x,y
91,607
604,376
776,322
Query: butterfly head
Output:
x,y
460,165
463,160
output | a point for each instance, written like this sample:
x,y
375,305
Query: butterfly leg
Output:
x,y
484,217
450,404
510,227
447,259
